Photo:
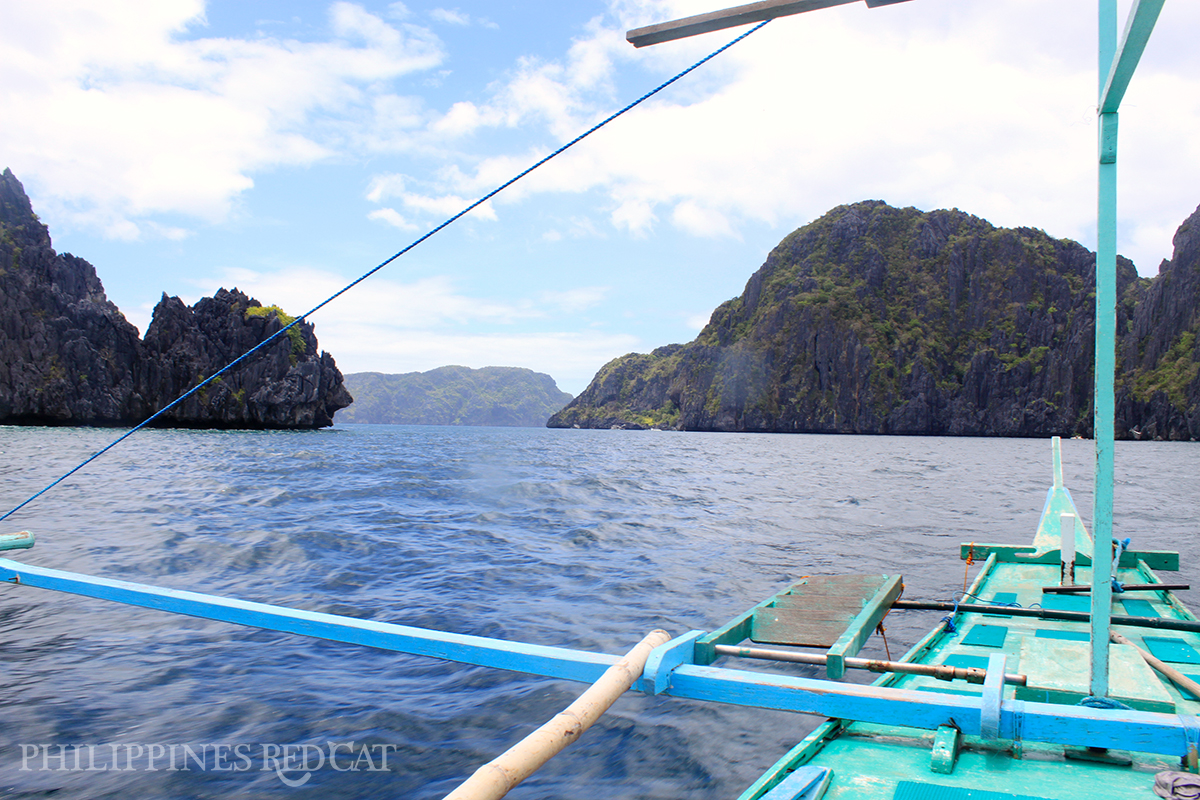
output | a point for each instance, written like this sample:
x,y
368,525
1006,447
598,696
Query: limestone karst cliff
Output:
x,y
69,357
882,320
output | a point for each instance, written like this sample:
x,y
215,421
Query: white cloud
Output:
x,y
393,218
121,117
984,107
575,300
450,16
699,221
447,205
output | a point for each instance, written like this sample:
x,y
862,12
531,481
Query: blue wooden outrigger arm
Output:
x,y
671,670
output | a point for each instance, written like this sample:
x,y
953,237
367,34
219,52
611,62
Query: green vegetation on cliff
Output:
x,y
874,319
494,396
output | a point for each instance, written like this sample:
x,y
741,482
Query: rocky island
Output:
x,y
882,320
69,357
491,396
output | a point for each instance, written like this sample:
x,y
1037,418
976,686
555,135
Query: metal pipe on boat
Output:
x,y
1162,623
496,778
1080,588
939,671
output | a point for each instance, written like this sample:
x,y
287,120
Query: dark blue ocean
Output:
x,y
583,539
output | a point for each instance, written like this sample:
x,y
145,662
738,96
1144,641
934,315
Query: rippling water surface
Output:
x,y
583,539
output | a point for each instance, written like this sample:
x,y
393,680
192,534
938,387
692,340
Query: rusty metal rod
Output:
x,y
939,671
1162,623
1128,587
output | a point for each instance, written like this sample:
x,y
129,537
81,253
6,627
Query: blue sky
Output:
x,y
286,147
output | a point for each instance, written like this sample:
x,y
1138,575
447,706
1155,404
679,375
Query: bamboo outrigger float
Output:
x,y
996,702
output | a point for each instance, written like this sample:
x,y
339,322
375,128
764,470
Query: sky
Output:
x,y
286,148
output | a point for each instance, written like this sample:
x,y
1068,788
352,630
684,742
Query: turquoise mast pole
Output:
x,y
1105,360
1116,69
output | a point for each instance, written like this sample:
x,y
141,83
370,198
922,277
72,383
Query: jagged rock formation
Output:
x,y
69,357
492,396
880,320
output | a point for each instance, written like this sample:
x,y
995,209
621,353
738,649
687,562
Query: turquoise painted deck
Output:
x,y
874,762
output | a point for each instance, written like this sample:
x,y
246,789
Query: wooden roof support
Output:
x,y
732,17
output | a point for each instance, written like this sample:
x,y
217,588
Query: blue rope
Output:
x,y
371,272
1121,546
949,619
1103,702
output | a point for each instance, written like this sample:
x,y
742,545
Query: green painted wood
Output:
x,y
1027,554
1139,26
816,613
1002,599
945,750
986,636
862,626
805,750
20,540
735,631
1049,530
1057,672
805,783
1171,648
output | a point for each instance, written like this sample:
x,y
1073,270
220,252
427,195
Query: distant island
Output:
x,y
882,320
491,396
68,356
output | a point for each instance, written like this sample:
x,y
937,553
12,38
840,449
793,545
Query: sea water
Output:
x,y
580,539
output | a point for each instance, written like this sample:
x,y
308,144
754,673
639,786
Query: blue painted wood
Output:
x,y
804,783
917,790
993,696
1141,731
1067,602
1171,648
556,662
1002,599
948,690
1139,608
965,661
1083,727
666,657
1070,636
986,636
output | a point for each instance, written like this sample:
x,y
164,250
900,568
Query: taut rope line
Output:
x,y
371,272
